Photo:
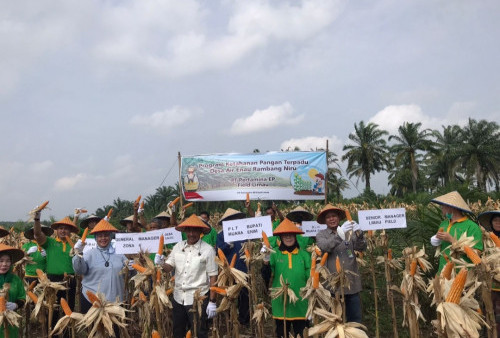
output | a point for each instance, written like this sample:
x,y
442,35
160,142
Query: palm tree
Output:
x,y
443,161
480,152
410,141
368,154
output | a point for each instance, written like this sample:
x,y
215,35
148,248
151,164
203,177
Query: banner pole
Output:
x,y
180,181
326,176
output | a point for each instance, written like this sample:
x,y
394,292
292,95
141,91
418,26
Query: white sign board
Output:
x,y
246,228
382,219
90,243
132,243
311,228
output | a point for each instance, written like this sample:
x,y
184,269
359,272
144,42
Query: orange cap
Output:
x,y
65,221
104,226
287,227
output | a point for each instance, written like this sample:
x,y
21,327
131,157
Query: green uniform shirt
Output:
x,y
210,238
456,230
40,261
16,292
58,261
295,268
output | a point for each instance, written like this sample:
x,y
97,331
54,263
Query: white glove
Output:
x,y
341,233
435,241
140,210
173,207
31,250
211,310
43,253
129,264
348,226
267,256
11,306
231,244
159,259
356,227
79,245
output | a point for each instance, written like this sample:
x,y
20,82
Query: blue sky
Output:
x,y
97,97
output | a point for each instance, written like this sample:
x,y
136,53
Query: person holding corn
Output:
x,y
341,242
36,253
292,263
456,223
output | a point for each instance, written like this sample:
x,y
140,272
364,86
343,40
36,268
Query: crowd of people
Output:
x,y
192,261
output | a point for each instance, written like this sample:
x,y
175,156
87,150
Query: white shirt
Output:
x,y
193,265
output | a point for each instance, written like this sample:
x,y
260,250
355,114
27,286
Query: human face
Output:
x,y
103,239
62,231
92,224
288,239
153,226
332,219
205,217
5,264
193,235
495,223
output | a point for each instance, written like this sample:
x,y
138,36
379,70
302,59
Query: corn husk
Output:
x,y
332,326
8,317
284,291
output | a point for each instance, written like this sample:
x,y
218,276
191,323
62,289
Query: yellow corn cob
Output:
x,y
445,256
473,256
422,266
158,276
222,257
188,205
313,263
160,245
448,268
265,239
138,199
457,287
2,304
324,258
84,236
413,267
92,297
495,239
40,274
218,290
233,261
337,264
110,212
315,282
175,201
139,268
42,206
155,334
32,285
33,297
188,334
132,301
65,307
247,253
389,254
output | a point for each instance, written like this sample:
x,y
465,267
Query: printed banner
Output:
x,y
382,219
246,228
132,243
269,176
311,228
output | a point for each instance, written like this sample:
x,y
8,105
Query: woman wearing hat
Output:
x,y
16,293
456,223
491,220
89,222
37,254
193,263
293,264
100,266
299,215
334,241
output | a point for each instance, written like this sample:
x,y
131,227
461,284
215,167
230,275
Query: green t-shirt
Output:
x,y
210,238
456,230
295,268
16,292
40,261
58,258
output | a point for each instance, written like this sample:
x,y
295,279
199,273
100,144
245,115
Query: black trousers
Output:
x,y
182,318
298,327
69,295
243,307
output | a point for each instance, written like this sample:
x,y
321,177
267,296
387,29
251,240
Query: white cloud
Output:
x,y
163,120
266,119
69,182
313,143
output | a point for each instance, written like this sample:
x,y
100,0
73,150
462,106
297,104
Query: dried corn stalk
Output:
x,y
333,326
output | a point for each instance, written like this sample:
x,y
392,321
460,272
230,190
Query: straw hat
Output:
x,y
231,214
3,232
193,221
15,254
129,219
163,215
91,218
30,233
486,217
454,200
326,209
287,227
104,226
299,214
65,221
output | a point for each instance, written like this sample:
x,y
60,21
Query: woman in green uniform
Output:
x,y
294,264
16,293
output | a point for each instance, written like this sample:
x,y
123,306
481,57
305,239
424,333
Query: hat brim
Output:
x,y
15,254
85,223
299,216
73,228
239,215
453,206
3,232
321,216
204,229
30,233
485,218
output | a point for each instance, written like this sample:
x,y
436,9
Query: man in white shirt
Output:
x,y
193,263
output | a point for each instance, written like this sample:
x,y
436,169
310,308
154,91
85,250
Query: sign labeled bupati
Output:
x,y
382,219
311,228
132,243
247,228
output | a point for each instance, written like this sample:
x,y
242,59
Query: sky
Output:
x,y
97,98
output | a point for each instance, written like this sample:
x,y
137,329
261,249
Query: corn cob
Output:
x,y
110,212
32,285
265,239
348,215
457,287
138,199
160,245
132,301
247,253
155,334
174,202
324,258
495,239
473,256
448,268
158,276
218,290
222,257
139,268
65,307
413,267
2,304
188,205
370,233
315,282
422,266
85,233
32,296
42,206
233,261
313,263
389,254
188,334
40,274
92,297
337,264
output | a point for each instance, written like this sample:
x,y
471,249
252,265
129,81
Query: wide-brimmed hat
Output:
x,y
30,233
287,227
129,219
453,199
299,214
486,217
231,214
104,226
321,216
14,253
163,215
91,218
193,221
3,232
65,221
